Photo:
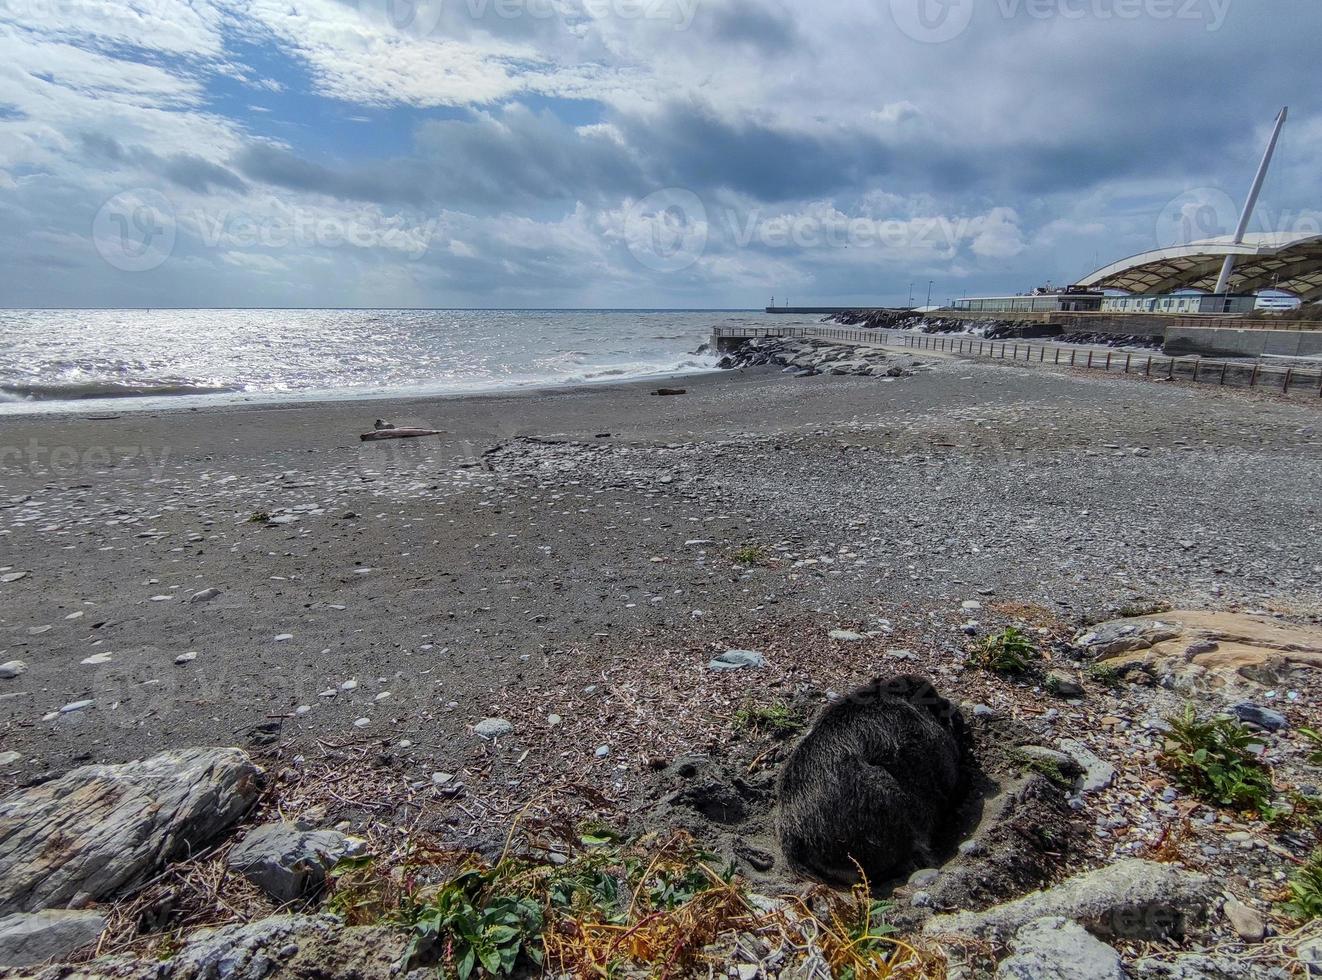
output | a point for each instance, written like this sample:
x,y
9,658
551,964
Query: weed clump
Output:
x,y
1305,901
777,719
1212,760
752,554
1009,651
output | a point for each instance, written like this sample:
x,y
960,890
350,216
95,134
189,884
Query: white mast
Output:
x,y
1223,282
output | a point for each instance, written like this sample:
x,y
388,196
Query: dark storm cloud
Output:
x,y
515,158
389,182
185,169
769,30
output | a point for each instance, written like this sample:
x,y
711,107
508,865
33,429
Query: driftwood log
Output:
x,y
401,433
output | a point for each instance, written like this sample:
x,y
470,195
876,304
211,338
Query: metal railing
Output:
x,y
1253,374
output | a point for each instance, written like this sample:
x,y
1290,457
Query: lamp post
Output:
x,y
929,291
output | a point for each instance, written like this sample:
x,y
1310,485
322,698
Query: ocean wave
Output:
x,y
80,390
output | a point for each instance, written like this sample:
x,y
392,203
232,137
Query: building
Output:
x,y
1266,261
1180,303
1041,301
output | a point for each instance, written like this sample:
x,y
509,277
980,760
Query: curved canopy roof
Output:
x,y
1264,260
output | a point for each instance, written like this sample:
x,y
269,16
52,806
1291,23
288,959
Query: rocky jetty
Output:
x,y
806,358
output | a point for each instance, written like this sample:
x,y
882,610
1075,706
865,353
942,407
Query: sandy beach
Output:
x,y
447,576
424,639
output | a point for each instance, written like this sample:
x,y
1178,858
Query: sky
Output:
x,y
632,153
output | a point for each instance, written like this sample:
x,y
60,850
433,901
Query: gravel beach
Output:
x,y
188,577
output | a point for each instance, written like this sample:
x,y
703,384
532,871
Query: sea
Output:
x,y
80,360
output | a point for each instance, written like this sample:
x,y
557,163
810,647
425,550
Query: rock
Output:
x,y
185,658
493,728
28,938
983,711
205,595
602,751
1097,773
1186,641
13,577
1246,922
1310,957
442,778
737,660
100,829
924,877
1062,685
1059,767
1131,899
9,759
289,863
1265,718
1057,949
11,669
1202,966
847,636
248,951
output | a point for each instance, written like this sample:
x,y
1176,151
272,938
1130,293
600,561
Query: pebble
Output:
x,y
441,778
737,660
1246,922
302,709
76,706
96,659
281,637
186,658
846,636
1253,714
11,669
983,711
9,758
205,595
362,723
602,751
383,696
493,728
349,686
553,720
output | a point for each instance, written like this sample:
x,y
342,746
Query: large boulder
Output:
x,y
27,938
1057,949
100,829
289,863
1131,899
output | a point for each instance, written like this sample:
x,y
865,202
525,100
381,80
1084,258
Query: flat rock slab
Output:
x,y
1057,949
287,862
98,830
1224,642
1131,899
28,938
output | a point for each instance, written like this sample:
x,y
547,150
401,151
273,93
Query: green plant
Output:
x,y
751,554
777,719
1105,672
259,517
1314,739
1211,759
1305,901
1009,651
476,923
